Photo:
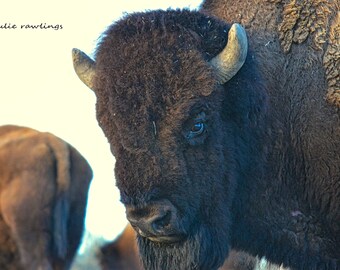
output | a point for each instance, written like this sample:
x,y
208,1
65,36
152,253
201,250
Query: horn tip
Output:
x,y
75,50
229,61
84,67
77,55
238,30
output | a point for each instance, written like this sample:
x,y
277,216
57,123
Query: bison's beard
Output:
x,y
205,249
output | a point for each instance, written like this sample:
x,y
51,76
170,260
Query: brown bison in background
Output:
x,y
222,141
122,254
43,193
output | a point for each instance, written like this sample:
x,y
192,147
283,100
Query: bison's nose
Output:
x,y
157,221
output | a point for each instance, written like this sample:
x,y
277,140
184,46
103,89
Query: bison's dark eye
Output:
x,y
196,130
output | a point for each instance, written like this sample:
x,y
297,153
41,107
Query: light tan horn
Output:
x,y
228,62
84,66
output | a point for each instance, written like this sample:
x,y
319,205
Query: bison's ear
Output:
x,y
228,62
84,66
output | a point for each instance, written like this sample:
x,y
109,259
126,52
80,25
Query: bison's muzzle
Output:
x,y
157,221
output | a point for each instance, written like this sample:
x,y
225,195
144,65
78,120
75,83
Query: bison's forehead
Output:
x,y
147,92
146,78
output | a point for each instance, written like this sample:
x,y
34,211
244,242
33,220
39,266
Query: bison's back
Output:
x,y
43,192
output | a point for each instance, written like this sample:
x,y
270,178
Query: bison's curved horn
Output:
x,y
230,60
84,66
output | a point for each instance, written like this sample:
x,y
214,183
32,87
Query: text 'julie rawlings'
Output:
x,y
40,26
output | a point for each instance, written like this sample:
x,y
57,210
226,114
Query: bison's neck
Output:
x,y
292,209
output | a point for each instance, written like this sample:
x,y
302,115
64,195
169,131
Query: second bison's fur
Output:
x,y
43,193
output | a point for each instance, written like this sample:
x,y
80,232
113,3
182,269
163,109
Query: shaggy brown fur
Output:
x,y
43,193
306,147
316,23
262,176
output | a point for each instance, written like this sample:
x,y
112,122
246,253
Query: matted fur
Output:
x,y
313,22
331,61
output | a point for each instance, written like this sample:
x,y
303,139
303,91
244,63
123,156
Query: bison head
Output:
x,y
163,104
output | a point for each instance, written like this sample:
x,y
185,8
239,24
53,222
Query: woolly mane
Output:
x,y
331,62
320,21
315,23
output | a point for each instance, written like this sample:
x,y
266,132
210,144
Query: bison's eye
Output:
x,y
196,130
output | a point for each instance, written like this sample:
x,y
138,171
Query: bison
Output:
x,y
220,141
43,193
121,254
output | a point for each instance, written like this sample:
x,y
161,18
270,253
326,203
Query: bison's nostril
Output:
x,y
155,220
161,222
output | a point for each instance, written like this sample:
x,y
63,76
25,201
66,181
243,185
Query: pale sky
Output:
x,y
39,88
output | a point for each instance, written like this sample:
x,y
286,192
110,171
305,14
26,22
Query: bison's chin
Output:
x,y
205,249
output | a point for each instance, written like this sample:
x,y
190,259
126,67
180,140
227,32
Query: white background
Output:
x,y
39,89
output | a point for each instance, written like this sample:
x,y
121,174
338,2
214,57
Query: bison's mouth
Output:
x,y
169,238
166,239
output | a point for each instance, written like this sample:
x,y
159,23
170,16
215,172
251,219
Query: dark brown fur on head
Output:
x,y
153,81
